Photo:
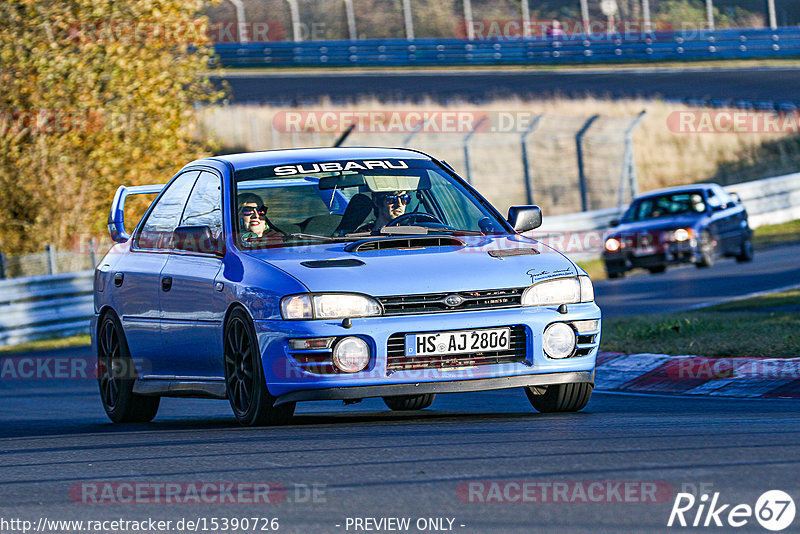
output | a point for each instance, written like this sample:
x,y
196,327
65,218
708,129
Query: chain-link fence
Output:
x,y
51,260
562,163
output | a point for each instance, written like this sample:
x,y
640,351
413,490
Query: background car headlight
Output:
x,y
612,244
329,306
681,234
351,355
559,340
559,291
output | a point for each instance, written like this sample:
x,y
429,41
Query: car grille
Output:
x,y
437,302
398,361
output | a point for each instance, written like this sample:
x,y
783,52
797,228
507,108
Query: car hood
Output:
x,y
483,262
654,225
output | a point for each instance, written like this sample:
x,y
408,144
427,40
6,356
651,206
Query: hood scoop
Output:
x,y
508,252
366,245
321,264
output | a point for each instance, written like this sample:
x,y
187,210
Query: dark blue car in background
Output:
x,y
687,224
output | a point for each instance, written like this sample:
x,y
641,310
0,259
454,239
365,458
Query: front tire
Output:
x,y
707,251
245,385
116,375
560,397
409,402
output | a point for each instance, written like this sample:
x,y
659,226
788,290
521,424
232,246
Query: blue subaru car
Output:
x,y
283,276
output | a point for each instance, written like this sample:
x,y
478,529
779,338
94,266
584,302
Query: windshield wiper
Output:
x,y
320,237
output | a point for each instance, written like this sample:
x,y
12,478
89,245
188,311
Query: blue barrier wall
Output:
x,y
688,45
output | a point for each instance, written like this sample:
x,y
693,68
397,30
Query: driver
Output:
x,y
386,207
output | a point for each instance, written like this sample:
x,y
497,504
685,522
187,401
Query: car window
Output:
x,y
157,230
204,207
688,203
293,204
288,205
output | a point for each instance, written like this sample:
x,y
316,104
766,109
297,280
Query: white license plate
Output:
x,y
458,342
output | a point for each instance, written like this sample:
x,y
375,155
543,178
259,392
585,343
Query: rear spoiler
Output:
x,y
116,216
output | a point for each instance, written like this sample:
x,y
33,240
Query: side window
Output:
x,y
162,221
204,207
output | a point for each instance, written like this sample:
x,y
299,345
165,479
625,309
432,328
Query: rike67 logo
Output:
x,y
774,510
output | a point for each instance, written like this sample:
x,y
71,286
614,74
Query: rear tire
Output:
x,y
245,385
746,253
409,402
560,397
116,375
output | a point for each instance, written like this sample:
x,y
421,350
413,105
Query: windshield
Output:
x,y
686,203
294,204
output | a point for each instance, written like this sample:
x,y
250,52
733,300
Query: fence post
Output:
x,y
52,268
525,166
414,131
628,175
93,252
581,171
2,265
466,149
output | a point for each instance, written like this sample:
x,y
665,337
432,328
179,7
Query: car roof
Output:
x,y
677,189
251,160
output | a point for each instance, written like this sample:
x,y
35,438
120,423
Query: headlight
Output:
x,y
351,355
559,340
612,244
682,234
559,291
329,306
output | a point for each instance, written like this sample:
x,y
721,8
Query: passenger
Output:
x,y
386,207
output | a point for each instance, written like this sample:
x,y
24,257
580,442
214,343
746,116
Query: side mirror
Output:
x,y
524,218
614,223
196,239
736,198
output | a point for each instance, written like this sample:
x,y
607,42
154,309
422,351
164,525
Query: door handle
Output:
x,y
118,279
166,283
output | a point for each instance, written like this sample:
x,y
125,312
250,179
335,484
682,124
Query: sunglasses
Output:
x,y
249,210
402,199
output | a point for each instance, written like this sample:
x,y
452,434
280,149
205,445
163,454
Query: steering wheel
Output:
x,y
415,218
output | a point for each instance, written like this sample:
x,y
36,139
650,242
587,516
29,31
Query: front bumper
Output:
x,y
670,254
290,381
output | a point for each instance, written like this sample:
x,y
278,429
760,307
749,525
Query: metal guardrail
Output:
x,y
41,307
61,305
688,45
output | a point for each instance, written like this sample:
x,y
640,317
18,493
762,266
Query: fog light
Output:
x,y
559,340
351,355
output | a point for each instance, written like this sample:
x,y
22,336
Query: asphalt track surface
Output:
x,y
778,84
368,462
